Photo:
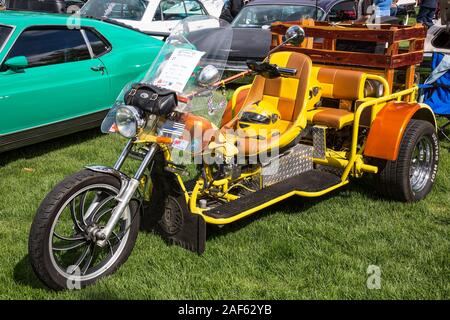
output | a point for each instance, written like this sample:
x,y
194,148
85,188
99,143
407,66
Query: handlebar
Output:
x,y
270,71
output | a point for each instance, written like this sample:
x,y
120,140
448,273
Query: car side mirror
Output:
x,y
295,35
17,64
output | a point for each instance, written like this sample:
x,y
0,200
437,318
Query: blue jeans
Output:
x,y
426,15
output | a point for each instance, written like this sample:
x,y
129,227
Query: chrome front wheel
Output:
x,y
63,248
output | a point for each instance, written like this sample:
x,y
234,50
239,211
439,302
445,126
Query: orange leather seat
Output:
x,y
287,94
337,84
332,117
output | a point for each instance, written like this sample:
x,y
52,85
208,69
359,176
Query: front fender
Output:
x,y
124,179
388,128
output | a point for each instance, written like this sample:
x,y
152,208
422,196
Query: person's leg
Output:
x,y
431,16
421,15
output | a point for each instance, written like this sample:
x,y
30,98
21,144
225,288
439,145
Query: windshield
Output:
x,y
4,34
191,63
258,16
115,9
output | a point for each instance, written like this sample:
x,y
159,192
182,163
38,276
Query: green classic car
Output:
x,y
60,74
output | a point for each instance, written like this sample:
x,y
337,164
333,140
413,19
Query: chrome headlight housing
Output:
x,y
129,120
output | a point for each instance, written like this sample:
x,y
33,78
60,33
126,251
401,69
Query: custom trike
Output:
x,y
203,161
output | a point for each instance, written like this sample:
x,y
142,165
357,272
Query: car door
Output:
x,y
62,81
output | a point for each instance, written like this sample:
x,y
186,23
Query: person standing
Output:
x,y
231,8
427,12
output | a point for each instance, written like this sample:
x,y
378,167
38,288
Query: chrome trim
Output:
x,y
421,166
7,39
125,195
123,156
88,44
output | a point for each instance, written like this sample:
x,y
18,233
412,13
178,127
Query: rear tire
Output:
x,y
49,255
411,177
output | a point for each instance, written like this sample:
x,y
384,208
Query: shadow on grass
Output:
x,y
39,149
24,274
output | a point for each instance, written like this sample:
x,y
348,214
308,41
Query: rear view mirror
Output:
x,y
17,63
295,35
208,76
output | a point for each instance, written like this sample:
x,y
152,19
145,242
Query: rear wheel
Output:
x,y
411,177
62,247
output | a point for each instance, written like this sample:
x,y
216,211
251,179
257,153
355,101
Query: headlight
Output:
x,y
129,120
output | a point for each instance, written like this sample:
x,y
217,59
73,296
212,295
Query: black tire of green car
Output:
x,y
41,229
401,180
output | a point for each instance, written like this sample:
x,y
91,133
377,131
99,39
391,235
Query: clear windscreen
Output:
x,y
191,63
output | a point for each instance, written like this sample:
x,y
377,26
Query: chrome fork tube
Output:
x,y
123,156
125,195
119,163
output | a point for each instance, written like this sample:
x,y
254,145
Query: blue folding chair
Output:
x,y
435,92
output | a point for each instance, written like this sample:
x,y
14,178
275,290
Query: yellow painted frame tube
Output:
x,y
377,105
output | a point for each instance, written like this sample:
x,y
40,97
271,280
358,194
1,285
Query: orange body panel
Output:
x,y
387,130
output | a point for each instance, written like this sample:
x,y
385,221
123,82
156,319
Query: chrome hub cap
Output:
x,y
421,164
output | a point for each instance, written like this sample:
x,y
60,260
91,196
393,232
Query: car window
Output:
x,y
50,46
256,16
115,9
442,40
171,10
4,34
99,46
343,11
194,8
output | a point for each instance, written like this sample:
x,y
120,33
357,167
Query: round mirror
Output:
x,y
208,76
294,35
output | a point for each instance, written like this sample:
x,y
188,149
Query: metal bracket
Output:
x,y
319,141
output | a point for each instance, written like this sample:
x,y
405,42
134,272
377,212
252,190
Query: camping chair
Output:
x,y
436,90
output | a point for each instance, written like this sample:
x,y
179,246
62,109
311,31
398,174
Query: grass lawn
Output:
x,y
299,249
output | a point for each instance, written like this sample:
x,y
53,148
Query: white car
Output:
x,y
148,15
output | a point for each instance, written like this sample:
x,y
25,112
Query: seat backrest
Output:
x,y
287,94
341,84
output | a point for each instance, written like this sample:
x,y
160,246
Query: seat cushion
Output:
x,y
331,117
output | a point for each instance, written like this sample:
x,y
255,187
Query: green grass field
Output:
x,y
299,249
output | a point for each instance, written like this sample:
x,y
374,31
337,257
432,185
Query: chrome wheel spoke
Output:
x,y
73,215
89,261
71,244
111,250
81,207
70,247
421,164
82,258
98,217
75,238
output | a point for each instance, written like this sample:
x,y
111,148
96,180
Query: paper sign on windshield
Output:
x,y
178,70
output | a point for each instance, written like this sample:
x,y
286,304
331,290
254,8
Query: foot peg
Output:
x,y
320,141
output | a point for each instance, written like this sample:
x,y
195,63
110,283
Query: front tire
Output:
x,y
61,249
411,177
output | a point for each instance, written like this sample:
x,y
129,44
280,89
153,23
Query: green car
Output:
x,y
60,74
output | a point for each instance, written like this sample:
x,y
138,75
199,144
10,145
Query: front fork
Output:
x,y
128,189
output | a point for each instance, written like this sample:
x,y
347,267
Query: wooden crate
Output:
x,y
324,45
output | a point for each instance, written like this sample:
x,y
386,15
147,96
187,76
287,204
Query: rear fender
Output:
x,y
388,128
